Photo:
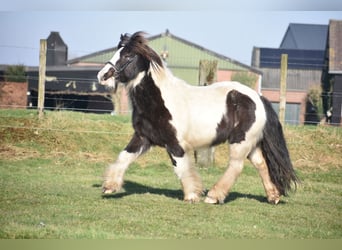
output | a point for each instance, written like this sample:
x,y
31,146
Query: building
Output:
x,y
181,56
57,50
305,45
332,74
67,87
72,84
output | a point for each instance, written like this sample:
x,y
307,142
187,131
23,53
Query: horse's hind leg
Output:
x,y
259,162
189,177
238,153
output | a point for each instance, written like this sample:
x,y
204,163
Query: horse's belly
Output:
x,y
197,115
199,140
202,126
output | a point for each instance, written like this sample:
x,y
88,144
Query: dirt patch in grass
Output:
x,y
10,152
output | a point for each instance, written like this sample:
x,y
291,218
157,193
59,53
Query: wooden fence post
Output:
x,y
41,83
207,75
282,101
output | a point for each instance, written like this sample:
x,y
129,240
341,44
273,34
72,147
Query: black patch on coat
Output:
x,y
237,121
138,143
151,119
174,162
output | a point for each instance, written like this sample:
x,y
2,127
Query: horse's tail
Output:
x,y
275,152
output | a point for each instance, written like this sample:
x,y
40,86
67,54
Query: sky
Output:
x,y
231,30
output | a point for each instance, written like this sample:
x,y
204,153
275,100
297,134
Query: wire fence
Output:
x,y
63,130
37,129
68,105
83,103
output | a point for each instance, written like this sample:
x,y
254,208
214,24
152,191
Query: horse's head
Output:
x,y
132,57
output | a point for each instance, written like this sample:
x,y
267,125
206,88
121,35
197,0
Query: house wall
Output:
x,y
297,79
293,97
224,75
13,94
298,82
337,100
87,64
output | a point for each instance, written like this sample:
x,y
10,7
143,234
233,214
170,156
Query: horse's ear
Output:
x,y
124,38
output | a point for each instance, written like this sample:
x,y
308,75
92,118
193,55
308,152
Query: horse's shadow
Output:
x,y
131,188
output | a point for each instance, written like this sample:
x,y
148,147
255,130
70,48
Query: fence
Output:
x,y
76,101
86,103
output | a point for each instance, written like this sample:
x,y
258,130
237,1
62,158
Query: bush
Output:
x,y
315,97
245,78
15,73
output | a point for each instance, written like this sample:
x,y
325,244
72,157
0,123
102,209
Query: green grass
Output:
x,y
50,186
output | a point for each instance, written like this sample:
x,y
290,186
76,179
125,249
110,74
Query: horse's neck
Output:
x,y
165,80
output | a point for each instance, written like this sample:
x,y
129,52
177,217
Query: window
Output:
x,y
292,112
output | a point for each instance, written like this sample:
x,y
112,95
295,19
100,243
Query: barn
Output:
x,y
181,56
67,87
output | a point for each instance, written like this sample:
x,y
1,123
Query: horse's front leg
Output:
x,y
189,177
113,177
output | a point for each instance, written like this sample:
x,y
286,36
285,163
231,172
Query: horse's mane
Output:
x,y
138,44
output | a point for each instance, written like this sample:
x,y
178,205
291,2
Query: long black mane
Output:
x,y
138,44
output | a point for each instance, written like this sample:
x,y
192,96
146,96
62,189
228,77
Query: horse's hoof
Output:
x,y
111,187
273,198
210,200
192,198
274,201
107,191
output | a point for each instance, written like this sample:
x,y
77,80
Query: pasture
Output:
x,y
51,176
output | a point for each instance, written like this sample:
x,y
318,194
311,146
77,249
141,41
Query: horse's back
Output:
x,y
204,108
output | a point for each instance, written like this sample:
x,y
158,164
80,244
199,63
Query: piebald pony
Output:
x,y
170,113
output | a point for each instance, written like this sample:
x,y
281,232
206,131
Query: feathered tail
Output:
x,y
275,152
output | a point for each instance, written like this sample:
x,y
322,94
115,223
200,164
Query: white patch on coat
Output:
x,y
110,82
197,110
133,83
116,56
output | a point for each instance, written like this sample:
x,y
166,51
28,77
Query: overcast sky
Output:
x,y
231,30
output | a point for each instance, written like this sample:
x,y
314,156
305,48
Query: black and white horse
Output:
x,y
170,113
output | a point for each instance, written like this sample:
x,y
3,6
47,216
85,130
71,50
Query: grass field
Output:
x,y
50,186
